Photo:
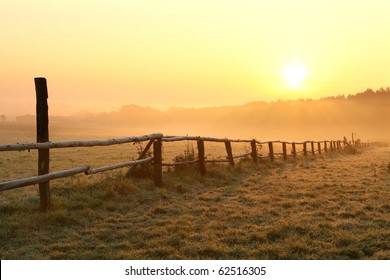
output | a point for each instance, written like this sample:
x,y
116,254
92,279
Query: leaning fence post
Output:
x,y
228,146
157,162
326,146
254,151
201,156
271,151
319,147
284,146
305,149
42,118
312,148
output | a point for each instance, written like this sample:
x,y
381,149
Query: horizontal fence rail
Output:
x,y
156,141
74,144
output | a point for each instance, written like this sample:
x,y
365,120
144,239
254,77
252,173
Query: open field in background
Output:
x,y
335,206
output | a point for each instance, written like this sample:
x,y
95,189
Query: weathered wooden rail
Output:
x,y
43,145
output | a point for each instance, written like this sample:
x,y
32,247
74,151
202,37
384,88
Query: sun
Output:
x,y
294,75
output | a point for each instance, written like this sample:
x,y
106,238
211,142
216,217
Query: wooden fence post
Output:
x,y
201,156
228,146
271,151
312,148
254,151
319,147
157,162
284,146
42,118
326,146
294,150
331,146
305,149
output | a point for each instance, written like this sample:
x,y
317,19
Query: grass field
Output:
x,y
331,207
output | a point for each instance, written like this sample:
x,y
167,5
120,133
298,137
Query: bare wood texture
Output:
x,y
284,147
229,152
42,126
254,151
157,162
294,150
201,156
312,148
119,165
42,178
271,151
180,163
73,144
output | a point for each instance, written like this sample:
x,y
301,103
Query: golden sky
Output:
x,y
99,55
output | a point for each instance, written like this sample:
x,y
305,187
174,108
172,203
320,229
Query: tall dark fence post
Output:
x,y
312,148
157,162
228,146
42,112
294,150
254,151
319,147
326,146
284,146
201,156
271,151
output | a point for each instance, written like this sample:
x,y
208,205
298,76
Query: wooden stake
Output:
x,y
42,118
284,145
305,149
228,146
294,150
254,151
201,156
157,162
271,151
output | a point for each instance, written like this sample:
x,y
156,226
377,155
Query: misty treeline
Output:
x,y
365,114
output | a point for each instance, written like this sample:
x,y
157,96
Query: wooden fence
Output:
x,y
156,140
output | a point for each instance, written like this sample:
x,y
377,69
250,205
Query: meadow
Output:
x,y
333,206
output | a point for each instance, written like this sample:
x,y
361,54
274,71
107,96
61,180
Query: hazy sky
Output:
x,y
100,55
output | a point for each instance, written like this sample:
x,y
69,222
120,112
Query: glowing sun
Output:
x,y
294,75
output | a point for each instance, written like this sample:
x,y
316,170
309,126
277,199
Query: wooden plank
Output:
x,y
42,178
42,126
72,144
119,165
